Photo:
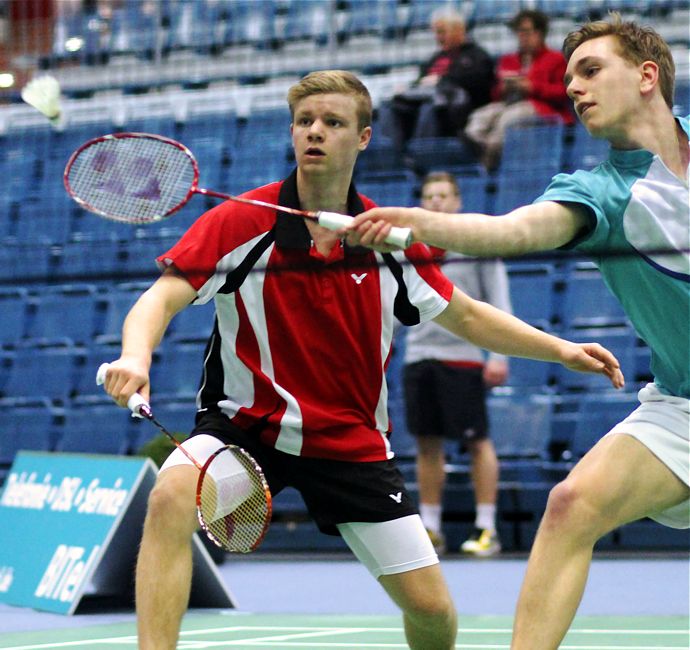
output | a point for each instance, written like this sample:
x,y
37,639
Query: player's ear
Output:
x,y
364,138
649,76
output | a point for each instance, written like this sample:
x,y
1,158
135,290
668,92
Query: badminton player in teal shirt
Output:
x,y
632,215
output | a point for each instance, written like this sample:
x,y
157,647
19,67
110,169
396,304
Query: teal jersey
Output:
x,y
640,240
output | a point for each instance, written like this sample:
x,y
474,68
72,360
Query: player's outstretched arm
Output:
x,y
531,228
142,331
493,329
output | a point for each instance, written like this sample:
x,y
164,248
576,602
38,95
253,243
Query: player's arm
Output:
x,y
537,227
142,331
493,329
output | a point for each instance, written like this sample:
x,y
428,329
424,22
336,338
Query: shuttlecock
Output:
x,y
43,93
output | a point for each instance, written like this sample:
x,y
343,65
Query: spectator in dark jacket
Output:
x,y
456,80
529,84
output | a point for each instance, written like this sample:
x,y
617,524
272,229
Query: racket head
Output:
x,y
134,178
234,503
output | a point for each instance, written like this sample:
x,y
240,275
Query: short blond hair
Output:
x,y
637,44
340,82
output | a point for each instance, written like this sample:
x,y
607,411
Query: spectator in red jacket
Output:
x,y
529,84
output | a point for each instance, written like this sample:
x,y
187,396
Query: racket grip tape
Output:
x,y
401,237
136,403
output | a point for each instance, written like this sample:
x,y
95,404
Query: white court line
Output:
x,y
304,631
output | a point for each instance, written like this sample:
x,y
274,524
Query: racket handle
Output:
x,y
400,237
136,403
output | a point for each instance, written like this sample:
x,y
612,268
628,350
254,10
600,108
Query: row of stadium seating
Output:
x,y
209,26
549,295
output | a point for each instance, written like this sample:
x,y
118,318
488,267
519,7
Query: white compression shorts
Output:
x,y
384,548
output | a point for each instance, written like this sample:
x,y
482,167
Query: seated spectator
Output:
x,y
529,84
457,79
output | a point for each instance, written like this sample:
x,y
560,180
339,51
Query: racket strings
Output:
x,y
234,501
135,180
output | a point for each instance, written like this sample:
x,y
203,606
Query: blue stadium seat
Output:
x,y
38,372
95,429
520,423
134,29
474,189
539,142
22,261
177,370
621,341
493,11
597,414
366,17
518,187
194,323
118,300
445,153
587,301
65,313
26,427
86,257
263,127
585,152
393,189
47,220
251,23
143,248
380,157
527,373
533,292
256,165
13,310
307,20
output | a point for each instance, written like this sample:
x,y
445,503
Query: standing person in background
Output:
x,y
631,214
445,380
529,84
456,80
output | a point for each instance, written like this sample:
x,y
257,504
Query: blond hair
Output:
x,y
340,82
637,44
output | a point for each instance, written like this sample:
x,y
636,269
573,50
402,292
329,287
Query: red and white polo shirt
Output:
x,y
301,341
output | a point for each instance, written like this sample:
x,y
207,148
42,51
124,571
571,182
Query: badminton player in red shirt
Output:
x,y
294,369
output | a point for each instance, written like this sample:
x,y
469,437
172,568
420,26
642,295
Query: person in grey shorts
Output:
x,y
445,381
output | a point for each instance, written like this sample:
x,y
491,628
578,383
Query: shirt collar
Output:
x,y
291,231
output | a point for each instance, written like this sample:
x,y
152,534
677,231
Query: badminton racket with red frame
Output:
x,y
141,178
233,501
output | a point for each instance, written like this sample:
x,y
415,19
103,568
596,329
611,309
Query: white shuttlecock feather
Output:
x,y
43,93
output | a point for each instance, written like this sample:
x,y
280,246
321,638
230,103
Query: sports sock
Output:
x,y
431,516
486,516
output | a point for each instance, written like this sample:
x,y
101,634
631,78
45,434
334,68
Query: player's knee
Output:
x,y
570,506
432,608
172,503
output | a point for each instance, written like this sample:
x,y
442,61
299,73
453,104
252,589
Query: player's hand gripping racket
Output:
x,y
140,178
232,497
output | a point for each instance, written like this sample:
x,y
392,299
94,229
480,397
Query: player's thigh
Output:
x,y
622,478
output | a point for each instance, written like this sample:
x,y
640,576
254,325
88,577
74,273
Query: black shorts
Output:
x,y
334,492
445,401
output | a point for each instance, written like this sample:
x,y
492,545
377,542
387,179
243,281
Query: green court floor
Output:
x,y
230,629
